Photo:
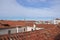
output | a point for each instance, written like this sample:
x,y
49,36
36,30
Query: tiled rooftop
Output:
x,y
15,23
46,34
51,31
21,23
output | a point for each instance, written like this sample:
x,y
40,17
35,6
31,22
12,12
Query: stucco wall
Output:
x,y
13,30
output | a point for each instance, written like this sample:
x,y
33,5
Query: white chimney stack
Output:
x,y
34,26
17,29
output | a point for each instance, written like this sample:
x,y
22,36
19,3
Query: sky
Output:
x,y
29,9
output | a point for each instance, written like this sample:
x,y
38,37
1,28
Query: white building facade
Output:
x,y
56,21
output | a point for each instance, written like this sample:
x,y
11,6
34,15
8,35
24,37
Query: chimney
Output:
x,y
17,29
34,26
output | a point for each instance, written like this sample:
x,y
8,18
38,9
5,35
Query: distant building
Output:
x,y
44,22
57,21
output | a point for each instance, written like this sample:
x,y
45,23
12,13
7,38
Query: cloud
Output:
x,y
11,9
43,0
36,0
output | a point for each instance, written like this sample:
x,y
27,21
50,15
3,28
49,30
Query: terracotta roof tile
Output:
x,y
34,35
46,25
50,32
16,23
